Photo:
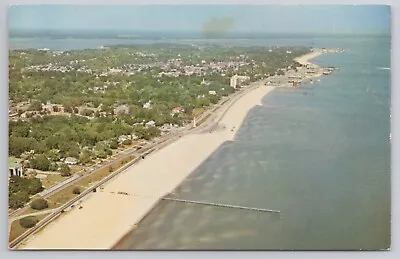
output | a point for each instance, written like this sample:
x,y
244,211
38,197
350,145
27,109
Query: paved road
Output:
x,y
42,212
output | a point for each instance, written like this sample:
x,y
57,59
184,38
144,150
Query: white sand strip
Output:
x,y
305,59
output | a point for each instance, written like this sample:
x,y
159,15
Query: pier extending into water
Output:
x,y
222,205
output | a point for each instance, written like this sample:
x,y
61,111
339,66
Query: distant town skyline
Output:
x,y
204,18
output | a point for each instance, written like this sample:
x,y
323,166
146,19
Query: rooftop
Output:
x,y
13,162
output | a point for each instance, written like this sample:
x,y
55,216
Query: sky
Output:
x,y
197,18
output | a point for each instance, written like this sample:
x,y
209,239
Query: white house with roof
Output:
x,y
147,105
122,138
71,161
15,167
177,110
150,124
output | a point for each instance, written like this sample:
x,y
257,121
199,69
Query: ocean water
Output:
x,y
320,154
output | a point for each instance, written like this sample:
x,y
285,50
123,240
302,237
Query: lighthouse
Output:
x,y
194,123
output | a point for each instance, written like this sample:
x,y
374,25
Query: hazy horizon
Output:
x,y
210,20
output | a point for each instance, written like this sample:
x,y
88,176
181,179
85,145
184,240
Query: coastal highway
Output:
x,y
77,177
209,122
209,117
61,209
68,182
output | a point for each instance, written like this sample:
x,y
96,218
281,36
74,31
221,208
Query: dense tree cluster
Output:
x,y
19,184
40,162
28,222
39,204
17,200
19,190
65,170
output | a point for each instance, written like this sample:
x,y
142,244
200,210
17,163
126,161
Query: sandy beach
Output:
x,y
106,215
305,59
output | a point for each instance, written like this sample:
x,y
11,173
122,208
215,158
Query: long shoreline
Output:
x,y
107,216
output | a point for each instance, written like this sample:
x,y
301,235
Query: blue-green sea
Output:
x,y
320,154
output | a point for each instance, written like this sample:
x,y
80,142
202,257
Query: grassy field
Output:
x,y
66,194
52,179
52,205
76,168
16,229
101,174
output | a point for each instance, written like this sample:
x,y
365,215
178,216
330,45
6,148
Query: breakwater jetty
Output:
x,y
222,205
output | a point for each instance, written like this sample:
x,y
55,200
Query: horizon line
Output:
x,y
190,31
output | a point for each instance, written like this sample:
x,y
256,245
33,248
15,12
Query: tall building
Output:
x,y
237,81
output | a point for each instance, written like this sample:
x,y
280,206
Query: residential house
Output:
x,y
177,110
204,82
122,138
294,82
15,167
49,107
71,161
147,105
121,109
115,70
150,124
